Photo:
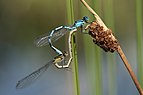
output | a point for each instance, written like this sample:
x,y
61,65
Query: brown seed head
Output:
x,y
102,38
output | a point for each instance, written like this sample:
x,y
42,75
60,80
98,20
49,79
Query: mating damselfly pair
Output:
x,y
55,34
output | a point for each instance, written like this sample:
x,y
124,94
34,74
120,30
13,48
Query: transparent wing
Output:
x,y
33,76
57,34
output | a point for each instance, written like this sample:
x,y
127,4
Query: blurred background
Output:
x,y
100,73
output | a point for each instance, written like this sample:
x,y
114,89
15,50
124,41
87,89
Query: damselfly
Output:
x,y
33,76
58,33
47,39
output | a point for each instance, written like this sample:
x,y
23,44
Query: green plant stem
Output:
x,y
70,14
139,39
75,67
108,14
98,64
98,72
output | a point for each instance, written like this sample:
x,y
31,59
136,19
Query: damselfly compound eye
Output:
x,y
86,19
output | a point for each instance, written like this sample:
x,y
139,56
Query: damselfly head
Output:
x,y
65,53
86,19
